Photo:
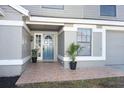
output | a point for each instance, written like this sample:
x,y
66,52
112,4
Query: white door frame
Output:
x,y
55,41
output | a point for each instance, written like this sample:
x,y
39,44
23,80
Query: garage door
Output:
x,y
115,47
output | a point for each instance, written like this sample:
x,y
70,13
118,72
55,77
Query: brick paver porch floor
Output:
x,y
49,72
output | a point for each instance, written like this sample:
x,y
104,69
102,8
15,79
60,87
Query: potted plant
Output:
x,y
72,52
34,55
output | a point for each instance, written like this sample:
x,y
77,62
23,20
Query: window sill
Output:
x,y
105,16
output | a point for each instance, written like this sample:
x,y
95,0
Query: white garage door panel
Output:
x,y
115,47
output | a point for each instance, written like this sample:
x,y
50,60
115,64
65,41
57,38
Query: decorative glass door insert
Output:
x,y
38,44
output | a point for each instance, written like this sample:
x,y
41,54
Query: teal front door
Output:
x,y
48,48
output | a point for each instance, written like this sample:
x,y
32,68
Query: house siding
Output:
x,y
69,11
93,12
75,11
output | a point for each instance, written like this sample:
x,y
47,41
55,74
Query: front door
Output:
x,y
48,47
45,45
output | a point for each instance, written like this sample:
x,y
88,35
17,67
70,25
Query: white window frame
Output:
x,y
115,11
91,58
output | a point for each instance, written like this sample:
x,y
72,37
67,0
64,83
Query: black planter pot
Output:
x,y
73,65
34,59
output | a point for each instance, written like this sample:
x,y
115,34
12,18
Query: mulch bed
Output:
x,y
8,82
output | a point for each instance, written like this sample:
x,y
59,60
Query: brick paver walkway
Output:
x,y
49,72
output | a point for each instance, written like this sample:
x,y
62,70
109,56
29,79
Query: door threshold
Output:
x,y
47,61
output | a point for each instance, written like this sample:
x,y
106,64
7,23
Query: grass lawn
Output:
x,y
114,82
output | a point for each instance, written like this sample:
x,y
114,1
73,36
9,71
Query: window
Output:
x,y
108,10
61,7
84,40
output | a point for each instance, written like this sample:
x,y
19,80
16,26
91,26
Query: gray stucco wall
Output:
x,y
10,42
61,44
26,43
10,13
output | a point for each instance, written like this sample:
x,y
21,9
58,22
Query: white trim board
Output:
x,y
11,22
113,28
15,61
76,21
20,9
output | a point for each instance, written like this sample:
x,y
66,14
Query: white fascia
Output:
x,y
43,23
20,9
76,21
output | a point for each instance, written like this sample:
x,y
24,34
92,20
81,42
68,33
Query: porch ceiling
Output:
x,y
41,27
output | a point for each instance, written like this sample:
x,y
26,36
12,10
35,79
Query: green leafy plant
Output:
x,y
72,51
34,52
